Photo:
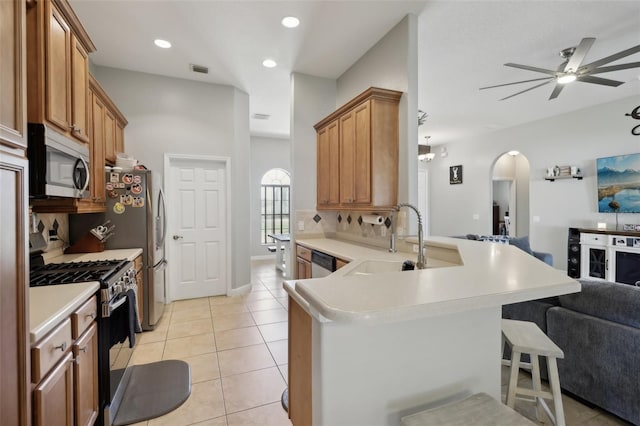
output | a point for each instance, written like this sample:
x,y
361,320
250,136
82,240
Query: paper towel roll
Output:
x,y
372,219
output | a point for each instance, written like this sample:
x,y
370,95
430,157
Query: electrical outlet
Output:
x,y
415,248
301,225
476,216
383,231
53,235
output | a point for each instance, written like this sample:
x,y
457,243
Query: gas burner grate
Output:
x,y
75,272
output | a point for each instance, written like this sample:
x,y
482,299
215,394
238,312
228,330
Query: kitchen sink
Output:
x,y
370,267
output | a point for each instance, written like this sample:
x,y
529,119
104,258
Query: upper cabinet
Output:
x,y
113,123
358,153
58,50
12,74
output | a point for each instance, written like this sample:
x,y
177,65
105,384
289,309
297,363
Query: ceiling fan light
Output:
x,y
566,78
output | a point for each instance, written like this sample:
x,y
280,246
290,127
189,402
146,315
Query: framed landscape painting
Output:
x,y
619,184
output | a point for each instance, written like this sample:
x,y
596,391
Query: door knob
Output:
x,y
177,237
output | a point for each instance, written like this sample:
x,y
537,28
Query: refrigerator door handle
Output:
x,y
162,205
160,265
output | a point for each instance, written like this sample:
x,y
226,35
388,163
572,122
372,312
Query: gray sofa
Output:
x,y
599,331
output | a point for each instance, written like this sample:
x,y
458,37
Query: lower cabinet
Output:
x,y
64,371
303,262
53,396
300,409
85,377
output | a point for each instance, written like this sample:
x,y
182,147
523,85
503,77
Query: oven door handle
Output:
x,y
110,307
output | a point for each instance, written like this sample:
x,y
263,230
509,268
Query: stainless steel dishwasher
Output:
x,y
322,264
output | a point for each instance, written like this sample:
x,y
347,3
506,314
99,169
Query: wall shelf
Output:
x,y
552,178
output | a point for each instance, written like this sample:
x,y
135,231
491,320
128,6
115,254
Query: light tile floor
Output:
x,y
237,350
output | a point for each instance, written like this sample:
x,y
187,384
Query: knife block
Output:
x,y
87,244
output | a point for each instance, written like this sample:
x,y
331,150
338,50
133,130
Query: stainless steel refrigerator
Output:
x,y
138,211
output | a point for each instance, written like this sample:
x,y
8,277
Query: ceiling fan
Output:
x,y
573,70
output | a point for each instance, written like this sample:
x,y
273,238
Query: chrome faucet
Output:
x,y
421,262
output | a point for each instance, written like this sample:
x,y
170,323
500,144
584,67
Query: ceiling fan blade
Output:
x,y
578,55
526,90
614,68
599,80
516,82
611,58
556,91
529,68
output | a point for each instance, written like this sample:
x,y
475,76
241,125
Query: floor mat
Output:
x,y
154,389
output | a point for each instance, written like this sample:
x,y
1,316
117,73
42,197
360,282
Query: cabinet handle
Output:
x,y
75,128
92,315
83,349
62,347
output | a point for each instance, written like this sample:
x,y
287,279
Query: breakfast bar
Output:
x,y
371,343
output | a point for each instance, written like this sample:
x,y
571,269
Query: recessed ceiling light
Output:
x,y
269,63
290,21
162,43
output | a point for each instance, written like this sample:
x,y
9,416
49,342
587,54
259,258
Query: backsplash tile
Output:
x,y
54,221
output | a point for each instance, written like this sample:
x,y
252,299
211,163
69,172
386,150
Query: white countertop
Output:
x,y
128,254
491,275
49,305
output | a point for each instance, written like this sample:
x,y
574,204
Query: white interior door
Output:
x,y
197,203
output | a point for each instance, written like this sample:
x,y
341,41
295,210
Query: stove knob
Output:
x,y
117,288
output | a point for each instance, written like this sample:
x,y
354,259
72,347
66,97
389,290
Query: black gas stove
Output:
x,y
104,271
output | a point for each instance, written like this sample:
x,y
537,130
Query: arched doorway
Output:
x,y
510,177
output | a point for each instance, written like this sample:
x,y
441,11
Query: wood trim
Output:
x,y
99,91
370,93
18,165
74,22
300,365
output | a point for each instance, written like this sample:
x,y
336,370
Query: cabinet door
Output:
x,y
109,136
53,397
347,158
85,377
329,165
12,73
362,154
97,150
303,269
15,372
57,68
79,91
119,137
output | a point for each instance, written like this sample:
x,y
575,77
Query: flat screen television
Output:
x,y
619,184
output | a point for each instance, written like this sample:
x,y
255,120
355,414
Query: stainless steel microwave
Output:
x,y
58,165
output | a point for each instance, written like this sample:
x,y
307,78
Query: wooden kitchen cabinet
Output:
x,y
65,370
15,372
12,74
340,263
137,266
367,177
300,364
58,50
328,151
303,262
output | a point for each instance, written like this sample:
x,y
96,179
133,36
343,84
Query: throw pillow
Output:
x,y
522,243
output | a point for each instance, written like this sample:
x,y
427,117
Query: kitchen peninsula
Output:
x,y
368,346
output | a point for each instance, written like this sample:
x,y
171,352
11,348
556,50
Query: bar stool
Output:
x,y
526,338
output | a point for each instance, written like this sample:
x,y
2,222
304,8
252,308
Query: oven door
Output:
x,y
114,371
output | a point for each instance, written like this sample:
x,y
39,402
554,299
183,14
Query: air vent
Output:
x,y
258,116
199,68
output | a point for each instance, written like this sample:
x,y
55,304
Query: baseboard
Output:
x,y
240,291
264,257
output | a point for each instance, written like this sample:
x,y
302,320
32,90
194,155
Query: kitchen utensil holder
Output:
x,y
87,244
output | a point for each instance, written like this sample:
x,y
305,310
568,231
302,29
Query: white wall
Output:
x,y
266,154
577,138
169,115
392,63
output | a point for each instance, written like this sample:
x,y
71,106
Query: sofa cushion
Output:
x,y
611,301
522,243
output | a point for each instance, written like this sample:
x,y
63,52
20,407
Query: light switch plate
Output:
x,y
476,216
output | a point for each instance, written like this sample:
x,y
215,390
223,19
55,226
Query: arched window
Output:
x,y
274,201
